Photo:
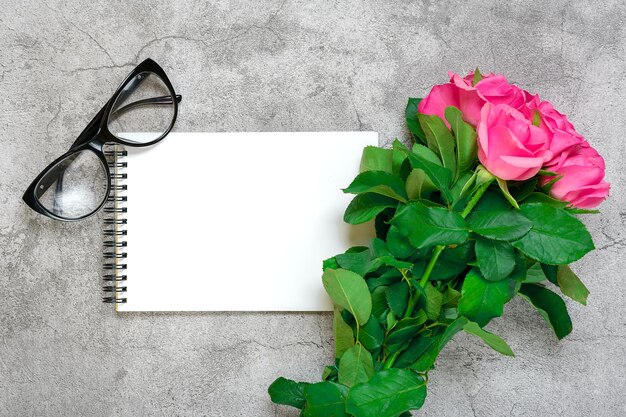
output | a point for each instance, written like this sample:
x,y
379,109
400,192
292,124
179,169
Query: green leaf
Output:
x,y
439,139
453,261
376,159
391,320
372,335
477,77
466,143
426,153
388,394
496,259
483,176
546,199
363,260
344,337
379,303
330,373
389,260
427,360
356,366
551,307
535,274
439,175
349,291
364,207
451,297
574,210
378,182
378,248
556,236
491,201
419,268
491,339
483,300
499,225
400,155
449,313
429,226
505,191
406,328
571,285
519,273
551,272
536,118
325,399
356,259
411,119
547,172
548,186
461,188
398,244
330,263
434,299
419,185
287,392
398,297
417,347
523,190
391,276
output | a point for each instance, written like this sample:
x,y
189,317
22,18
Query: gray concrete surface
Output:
x,y
274,66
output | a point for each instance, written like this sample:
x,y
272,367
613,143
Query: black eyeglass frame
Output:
x,y
97,134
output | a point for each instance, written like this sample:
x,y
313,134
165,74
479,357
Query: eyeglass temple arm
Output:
x,y
145,102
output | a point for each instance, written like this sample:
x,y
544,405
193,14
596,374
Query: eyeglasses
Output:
x,y
140,113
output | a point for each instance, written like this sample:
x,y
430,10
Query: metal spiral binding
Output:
x,y
115,229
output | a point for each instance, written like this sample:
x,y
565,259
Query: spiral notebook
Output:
x,y
230,221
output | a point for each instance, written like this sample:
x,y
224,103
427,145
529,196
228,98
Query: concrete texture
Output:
x,y
274,66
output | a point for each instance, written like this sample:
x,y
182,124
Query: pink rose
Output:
x,y
497,90
440,97
582,183
562,144
550,118
563,138
583,154
509,146
458,93
470,99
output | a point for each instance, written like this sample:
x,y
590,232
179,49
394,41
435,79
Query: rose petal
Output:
x,y
523,162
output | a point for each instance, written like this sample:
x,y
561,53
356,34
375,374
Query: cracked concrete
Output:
x,y
295,66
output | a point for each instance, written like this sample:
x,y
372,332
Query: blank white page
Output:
x,y
238,221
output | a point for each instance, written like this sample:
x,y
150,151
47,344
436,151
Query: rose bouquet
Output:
x,y
478,210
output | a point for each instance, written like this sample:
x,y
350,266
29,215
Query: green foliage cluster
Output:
x,y
453,246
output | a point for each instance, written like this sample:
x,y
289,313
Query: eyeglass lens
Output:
x,y
143,111
74,187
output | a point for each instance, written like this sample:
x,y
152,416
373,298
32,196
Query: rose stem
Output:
x,y
431,265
